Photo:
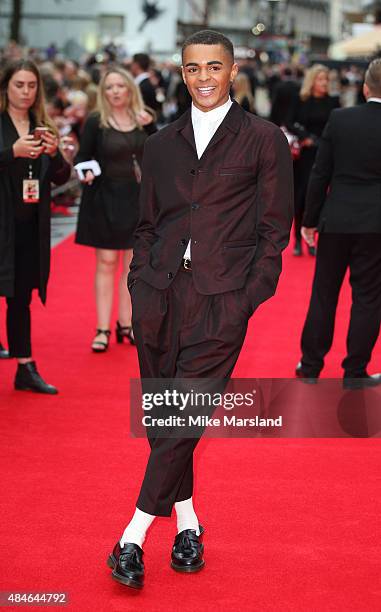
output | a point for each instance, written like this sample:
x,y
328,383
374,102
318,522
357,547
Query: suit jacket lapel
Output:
x,y
185,128
220,133
231,123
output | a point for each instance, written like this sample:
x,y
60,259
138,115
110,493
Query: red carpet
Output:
x,y
290,524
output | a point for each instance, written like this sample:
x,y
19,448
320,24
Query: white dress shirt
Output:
x,y
205,126
374,100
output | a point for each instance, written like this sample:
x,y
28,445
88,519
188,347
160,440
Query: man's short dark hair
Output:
x,y
143,60
373,77
209,37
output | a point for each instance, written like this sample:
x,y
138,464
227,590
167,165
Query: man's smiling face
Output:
x,y
208,71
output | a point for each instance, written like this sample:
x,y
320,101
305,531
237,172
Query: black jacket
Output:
x,y
149,94
55,170
285,96
344,193
235,202
308,118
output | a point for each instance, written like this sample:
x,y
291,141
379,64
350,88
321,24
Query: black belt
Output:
x,y
187,264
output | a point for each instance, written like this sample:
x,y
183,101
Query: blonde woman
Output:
x,y
307,120
29,162
242,92
114,136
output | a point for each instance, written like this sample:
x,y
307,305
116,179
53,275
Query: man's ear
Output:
x,y
183,74
365,90
234,72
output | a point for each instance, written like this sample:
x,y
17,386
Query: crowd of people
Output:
x,y
103,108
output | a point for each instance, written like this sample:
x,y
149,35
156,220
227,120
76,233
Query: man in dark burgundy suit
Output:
x,y
216,212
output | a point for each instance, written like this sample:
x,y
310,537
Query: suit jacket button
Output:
x,y
170,275
193,172
195,206
183,241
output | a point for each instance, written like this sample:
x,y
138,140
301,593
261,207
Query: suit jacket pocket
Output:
x,y
235,170
233,244
236,259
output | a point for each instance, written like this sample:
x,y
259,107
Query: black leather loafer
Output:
x,y
187,551
363,382
127,565
306,378
28,379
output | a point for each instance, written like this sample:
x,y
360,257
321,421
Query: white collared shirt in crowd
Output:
x,y
141,77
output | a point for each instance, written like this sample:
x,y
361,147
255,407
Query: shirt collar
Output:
x,y
374,99
217,114
141,77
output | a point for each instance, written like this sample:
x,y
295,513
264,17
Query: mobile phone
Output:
x,y
38,132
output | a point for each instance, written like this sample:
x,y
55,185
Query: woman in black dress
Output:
x,y
307,119
114,136
28,165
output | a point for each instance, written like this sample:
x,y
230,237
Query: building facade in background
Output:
x,y
159,26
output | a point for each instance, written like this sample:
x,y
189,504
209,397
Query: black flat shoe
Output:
x,y
187,551
306,378
124,332
127,565
99,346
363,382
28,379
4,354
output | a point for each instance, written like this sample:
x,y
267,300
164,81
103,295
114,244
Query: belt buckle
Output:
x,y
187,264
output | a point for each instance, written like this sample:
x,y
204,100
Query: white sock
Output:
x,y
186,516
136,530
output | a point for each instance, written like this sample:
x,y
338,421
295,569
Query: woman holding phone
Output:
x,y
29,162
114,137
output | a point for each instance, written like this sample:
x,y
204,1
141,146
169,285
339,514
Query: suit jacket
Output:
x,y
285,95
235,202
344,192
149,94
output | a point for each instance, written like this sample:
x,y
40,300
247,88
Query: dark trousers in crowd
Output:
x,y
182,334
302,171
361,253
26,279
18,324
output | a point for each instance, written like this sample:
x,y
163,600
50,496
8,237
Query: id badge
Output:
x,y
31,191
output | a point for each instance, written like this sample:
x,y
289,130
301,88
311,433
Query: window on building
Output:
x,y
111,25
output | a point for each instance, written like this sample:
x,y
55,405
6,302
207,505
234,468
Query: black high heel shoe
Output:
x,y
4,354
297,252
98,346
124,332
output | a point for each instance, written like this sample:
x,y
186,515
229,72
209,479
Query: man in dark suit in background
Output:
x,y
140,67
344,205
284,96
216,211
